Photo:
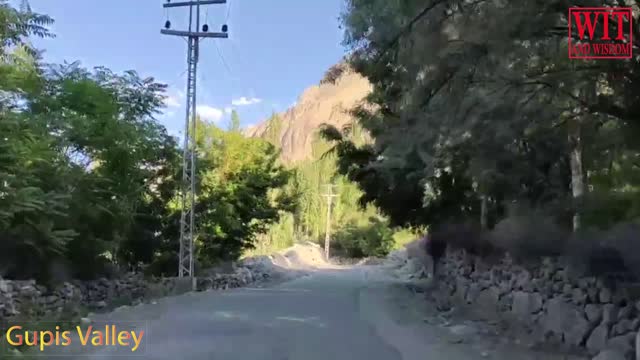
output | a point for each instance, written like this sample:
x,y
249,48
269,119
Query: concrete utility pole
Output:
x,y
193,35
327,237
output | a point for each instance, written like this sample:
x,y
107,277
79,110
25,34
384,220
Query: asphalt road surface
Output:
x,y
334,314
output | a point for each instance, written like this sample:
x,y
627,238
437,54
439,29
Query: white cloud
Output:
x,y
172,101
209,113
243,101
228,110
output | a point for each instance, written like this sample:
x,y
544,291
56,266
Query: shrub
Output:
x,y
625,238
605,209
529,236
465,236
597,253
372,239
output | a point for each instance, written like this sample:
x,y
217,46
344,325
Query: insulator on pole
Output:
x,y
225,28
205,28
167,24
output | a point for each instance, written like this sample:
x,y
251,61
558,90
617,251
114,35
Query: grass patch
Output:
x,y
403,237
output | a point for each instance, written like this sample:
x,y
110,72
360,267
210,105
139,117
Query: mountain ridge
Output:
x,y
340,90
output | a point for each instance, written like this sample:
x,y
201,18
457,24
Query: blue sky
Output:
x,y
275,49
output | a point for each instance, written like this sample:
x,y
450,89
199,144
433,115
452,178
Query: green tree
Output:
x,y
235,121
498,115
85,167
239,194
88,177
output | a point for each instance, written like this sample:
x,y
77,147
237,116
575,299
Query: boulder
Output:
x,y
624,326
598,339
566,319
605,296
593,313
462,287
472,293
622,343
625,312
524,304
609,314
579,296
488,301
567,290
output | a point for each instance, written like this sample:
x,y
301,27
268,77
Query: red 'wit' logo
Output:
x,y
601,32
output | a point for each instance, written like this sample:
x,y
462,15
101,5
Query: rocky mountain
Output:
x,y
329,102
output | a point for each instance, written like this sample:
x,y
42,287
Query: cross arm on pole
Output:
x,y
193,3
218,35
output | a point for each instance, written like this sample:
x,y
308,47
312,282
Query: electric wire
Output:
x,y
226,19
224,61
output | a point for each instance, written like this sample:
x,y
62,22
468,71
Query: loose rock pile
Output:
x,y
26,299
555,308
243,276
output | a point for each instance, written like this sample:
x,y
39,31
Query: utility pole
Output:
x,y
330,195
188,187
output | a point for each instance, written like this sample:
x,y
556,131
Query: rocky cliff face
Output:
x,y
328,102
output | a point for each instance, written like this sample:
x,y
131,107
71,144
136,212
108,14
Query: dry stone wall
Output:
x,y
576,313
29,300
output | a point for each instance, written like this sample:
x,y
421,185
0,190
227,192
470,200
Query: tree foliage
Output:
x,y
89,179
241,192
476,106
357,230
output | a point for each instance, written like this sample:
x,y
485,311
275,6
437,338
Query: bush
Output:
x,y
604,209
606,254
625,238
372,239
529,236
465,236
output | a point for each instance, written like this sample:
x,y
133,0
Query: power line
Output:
x,y
240,59
234,76
177,77
226,19
224,62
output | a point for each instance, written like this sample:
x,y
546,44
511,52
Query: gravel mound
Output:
x,y
293,261
305,255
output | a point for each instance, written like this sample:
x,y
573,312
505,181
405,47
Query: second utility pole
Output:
x,y
327,237
187,220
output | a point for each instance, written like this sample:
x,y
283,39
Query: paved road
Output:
x,y
315,317
346,314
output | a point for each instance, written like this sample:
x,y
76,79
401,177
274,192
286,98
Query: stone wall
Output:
x,y
578,313
28,300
